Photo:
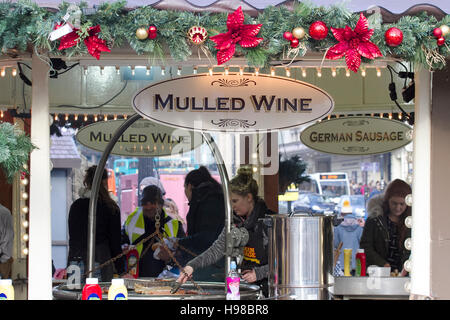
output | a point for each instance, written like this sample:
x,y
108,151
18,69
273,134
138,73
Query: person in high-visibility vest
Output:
x,y
142,222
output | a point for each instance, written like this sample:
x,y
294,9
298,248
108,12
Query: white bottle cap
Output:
x,y
5,282
233,265
360,251
117,282
91,281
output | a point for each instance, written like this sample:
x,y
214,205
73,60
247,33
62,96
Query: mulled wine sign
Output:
x,y
233,102
142,139
357,135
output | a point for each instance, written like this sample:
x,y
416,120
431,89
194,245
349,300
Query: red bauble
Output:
x,y
318,30
437,32
393,37
440,41
294,43
288,36
152,32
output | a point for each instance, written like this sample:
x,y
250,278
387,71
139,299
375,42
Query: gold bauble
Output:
x,y
445,29
141,34
299,32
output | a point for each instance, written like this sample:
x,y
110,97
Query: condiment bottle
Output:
x,y
91,290
347,262
117,290
6,289
360,263
233,282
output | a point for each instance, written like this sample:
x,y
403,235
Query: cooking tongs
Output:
x,y
175,287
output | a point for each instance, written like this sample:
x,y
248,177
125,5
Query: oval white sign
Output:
x,y
234,102
142,139
357,135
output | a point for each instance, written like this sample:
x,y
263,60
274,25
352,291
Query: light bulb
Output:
x,y
24,196
319,72
333,72
3,72
25,209
227,71
148,71
255,169
24,181
241,71
132,71
347,72
25,224
163,71
105,117
25,251
210,70
25,237
288,72
407,265
363,72
272,72
408,222
408,200
256,71
118,70
14,72
115,117
378,72
408,244
195,70
179,71
303,72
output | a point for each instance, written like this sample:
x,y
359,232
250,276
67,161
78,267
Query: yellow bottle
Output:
x,y
347,262
117,290
6,289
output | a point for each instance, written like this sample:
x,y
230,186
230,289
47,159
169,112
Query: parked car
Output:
x,y
313,203
356,203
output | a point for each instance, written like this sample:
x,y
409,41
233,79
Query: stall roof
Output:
x,y
63,151
391,10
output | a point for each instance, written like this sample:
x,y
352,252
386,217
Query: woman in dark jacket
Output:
x,y
248,209
108,229
385,231
205,219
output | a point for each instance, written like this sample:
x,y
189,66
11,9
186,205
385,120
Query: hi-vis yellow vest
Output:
x,y
135,227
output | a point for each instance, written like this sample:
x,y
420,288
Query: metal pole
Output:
x,y
226,196
96,187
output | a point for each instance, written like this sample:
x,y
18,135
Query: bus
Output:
x,y
332,185
126,166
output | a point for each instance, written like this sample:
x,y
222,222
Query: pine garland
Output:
x,y
15,147
24,23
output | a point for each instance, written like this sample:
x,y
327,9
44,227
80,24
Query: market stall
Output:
x,y
279,58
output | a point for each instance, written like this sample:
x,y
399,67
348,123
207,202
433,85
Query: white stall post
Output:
x,y
40,247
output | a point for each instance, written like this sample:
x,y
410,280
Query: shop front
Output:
x,y
156,92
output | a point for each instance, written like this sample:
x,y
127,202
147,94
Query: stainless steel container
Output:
x,y
300,256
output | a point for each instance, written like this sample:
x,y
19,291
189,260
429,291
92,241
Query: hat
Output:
x,y
152,181
152,194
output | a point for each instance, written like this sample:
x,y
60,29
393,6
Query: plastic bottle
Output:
x,y
233,282
133,263
91,290
360,263
347,262
6,289
117,290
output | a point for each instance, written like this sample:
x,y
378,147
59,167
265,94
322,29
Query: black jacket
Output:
x,y
205,218
107,235
375,236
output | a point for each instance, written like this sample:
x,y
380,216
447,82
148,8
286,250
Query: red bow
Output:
x,y
238,32
354,44
94,44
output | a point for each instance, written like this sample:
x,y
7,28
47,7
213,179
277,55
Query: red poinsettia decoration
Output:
x,y
238,33
94,44
354,44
